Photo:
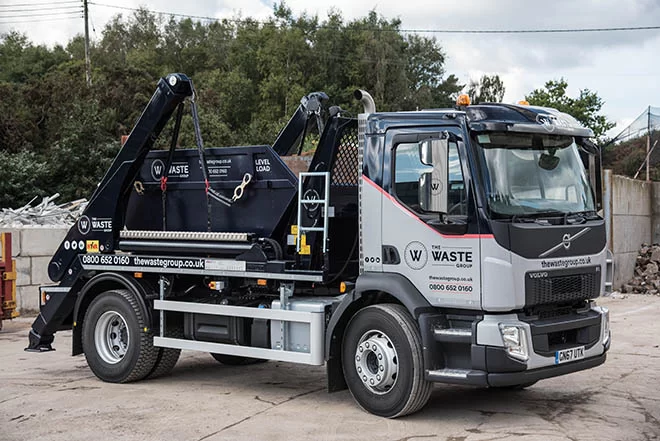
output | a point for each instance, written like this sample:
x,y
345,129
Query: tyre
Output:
x,y
382,361
117,340
236,360
167,357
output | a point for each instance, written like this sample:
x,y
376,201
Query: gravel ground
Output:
x,y
54,396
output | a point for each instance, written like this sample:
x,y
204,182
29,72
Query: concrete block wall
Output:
x,y
634,221
32,248
655,206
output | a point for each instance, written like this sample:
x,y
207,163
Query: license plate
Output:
x,y
568,355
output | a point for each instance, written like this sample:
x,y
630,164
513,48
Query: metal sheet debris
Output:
x,y
46,213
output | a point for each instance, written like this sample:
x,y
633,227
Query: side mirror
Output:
x,y
433,185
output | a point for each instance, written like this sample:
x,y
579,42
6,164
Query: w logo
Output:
x,y
416,255
436,187
84,225
157,168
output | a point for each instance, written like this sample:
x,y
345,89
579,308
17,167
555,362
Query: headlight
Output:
x,y
515,341
606,324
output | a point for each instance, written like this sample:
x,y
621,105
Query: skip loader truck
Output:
x,y
457,245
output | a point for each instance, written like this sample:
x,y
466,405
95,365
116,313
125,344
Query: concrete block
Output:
x,y
41,241
631,196
15,240
23,271
624,268
39,274
629,232
655,202
27,299
655,228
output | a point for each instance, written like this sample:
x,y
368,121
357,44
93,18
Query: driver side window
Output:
x,y
408,170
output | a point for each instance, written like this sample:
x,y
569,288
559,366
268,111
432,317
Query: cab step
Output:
x,y
453,335
458,376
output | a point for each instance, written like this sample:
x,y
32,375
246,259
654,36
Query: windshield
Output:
x,y
527,174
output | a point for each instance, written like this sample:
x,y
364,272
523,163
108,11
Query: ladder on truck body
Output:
x,y
325,203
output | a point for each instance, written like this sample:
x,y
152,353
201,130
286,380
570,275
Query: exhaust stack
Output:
x,y
366,100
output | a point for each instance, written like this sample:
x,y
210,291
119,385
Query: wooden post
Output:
x,y
88,66
648,146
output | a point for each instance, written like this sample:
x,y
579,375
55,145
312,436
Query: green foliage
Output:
x,y
626,158
584,108
58,135
20,177
489,89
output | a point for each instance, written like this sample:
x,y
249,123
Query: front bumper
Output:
x,y
499,379
480,357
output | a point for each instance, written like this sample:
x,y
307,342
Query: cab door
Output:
x,y
429,234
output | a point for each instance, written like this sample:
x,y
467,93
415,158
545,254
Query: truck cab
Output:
x,y
455,245
488,212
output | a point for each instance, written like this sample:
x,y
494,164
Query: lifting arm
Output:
x,y
310,106
104,215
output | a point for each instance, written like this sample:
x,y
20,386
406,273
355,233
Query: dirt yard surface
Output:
x,y
54,396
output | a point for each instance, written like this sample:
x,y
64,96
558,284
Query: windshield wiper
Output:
x,y
580,217
535,217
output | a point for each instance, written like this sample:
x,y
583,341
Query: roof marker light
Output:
x,y
463,100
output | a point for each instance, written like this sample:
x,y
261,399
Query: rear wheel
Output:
x,y
236,360
167,357
382,361
117,341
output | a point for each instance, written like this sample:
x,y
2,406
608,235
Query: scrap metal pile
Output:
x,y
647,272
45,213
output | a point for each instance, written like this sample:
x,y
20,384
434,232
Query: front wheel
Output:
x,y
382,361
117,341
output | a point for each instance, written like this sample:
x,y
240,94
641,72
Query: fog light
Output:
x,y
606,324
515,341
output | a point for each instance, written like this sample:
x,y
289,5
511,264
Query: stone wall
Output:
x,y
33,247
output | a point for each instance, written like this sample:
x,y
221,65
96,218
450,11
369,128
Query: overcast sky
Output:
x,y
621,66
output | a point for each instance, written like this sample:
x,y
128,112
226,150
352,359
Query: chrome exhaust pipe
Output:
x,y
366,100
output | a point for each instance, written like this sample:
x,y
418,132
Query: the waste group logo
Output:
x,y
179,170
416,255
84,225
157,168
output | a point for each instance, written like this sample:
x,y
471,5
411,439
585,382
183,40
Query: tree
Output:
x,y
584,108
249,77
425,72
489,89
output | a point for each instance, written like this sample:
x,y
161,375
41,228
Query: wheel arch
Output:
x,y
96,285
370,289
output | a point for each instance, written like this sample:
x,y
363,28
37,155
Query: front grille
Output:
x,y
563,286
